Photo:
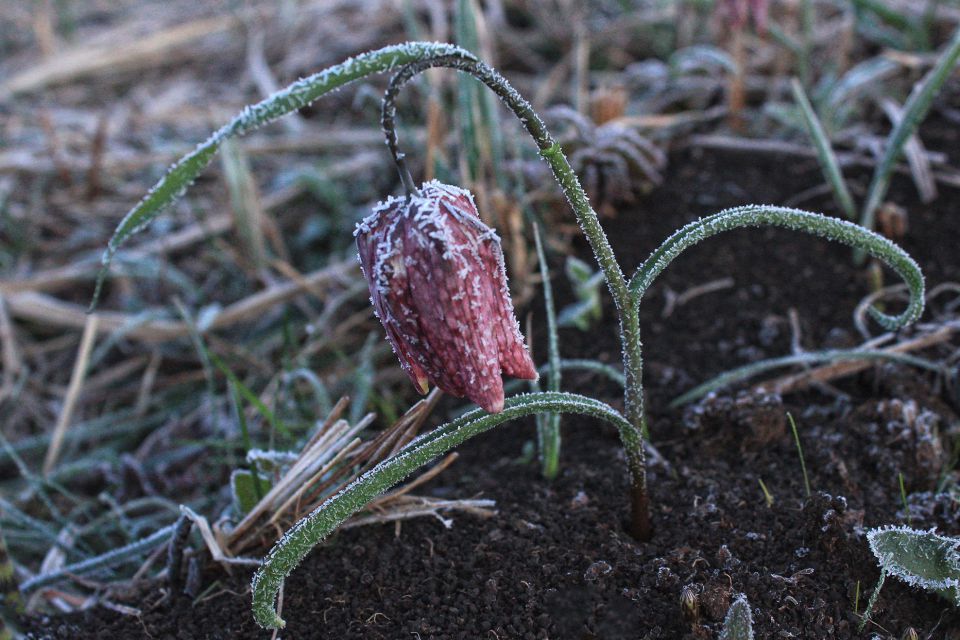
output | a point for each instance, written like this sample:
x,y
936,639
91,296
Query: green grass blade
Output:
x,y
548,425
762,215
914,111
825,154
247,394
593,366
814,357
299,540
590,366
467,91
296,96
803,463
108,559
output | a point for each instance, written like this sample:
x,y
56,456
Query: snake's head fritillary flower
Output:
x,y
439,287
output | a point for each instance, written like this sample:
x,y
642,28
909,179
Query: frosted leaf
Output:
x,y
301,93
738,625
920,558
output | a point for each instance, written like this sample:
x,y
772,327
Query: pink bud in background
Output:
x,y
438,284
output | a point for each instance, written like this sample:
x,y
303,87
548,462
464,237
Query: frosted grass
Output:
x,y
182,174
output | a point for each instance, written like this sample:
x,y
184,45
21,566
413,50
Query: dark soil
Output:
x,y
555,562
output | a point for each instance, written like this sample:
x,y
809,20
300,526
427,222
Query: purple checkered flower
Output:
x,y
439,287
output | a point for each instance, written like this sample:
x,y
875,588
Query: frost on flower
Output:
x,y
438,284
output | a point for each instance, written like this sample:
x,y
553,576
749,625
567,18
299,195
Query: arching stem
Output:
x,y
631,434
296,543
405,177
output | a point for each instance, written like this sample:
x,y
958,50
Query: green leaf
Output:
x,y
181,175
919,558
586,285
578,271
287,553
548,424
813,223
914,111
704,58
246,490
808,359
738,625
825,154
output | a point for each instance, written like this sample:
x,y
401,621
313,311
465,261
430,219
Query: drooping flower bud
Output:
x,y
438,284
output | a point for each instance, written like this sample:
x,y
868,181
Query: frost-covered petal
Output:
x,y
438,284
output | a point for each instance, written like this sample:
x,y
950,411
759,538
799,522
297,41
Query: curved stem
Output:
x,y
405,177
631,435
172,186
763,215
287,553
549,149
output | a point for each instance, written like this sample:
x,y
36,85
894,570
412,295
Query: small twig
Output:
x,y
59,277
860,313
97,146
418,506
425,477
767,145
213,545
84,62
181,532
798,381
146,383
675,301
12,362
796,347
50,311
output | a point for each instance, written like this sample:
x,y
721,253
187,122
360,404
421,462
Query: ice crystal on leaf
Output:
x,y
919,558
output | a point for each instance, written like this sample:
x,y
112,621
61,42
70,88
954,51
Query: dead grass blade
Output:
x,y
819,375
73,392
333,457
83,62
49,311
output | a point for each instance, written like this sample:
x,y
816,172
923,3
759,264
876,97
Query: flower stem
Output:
x,y
631,432
301,93
287,553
